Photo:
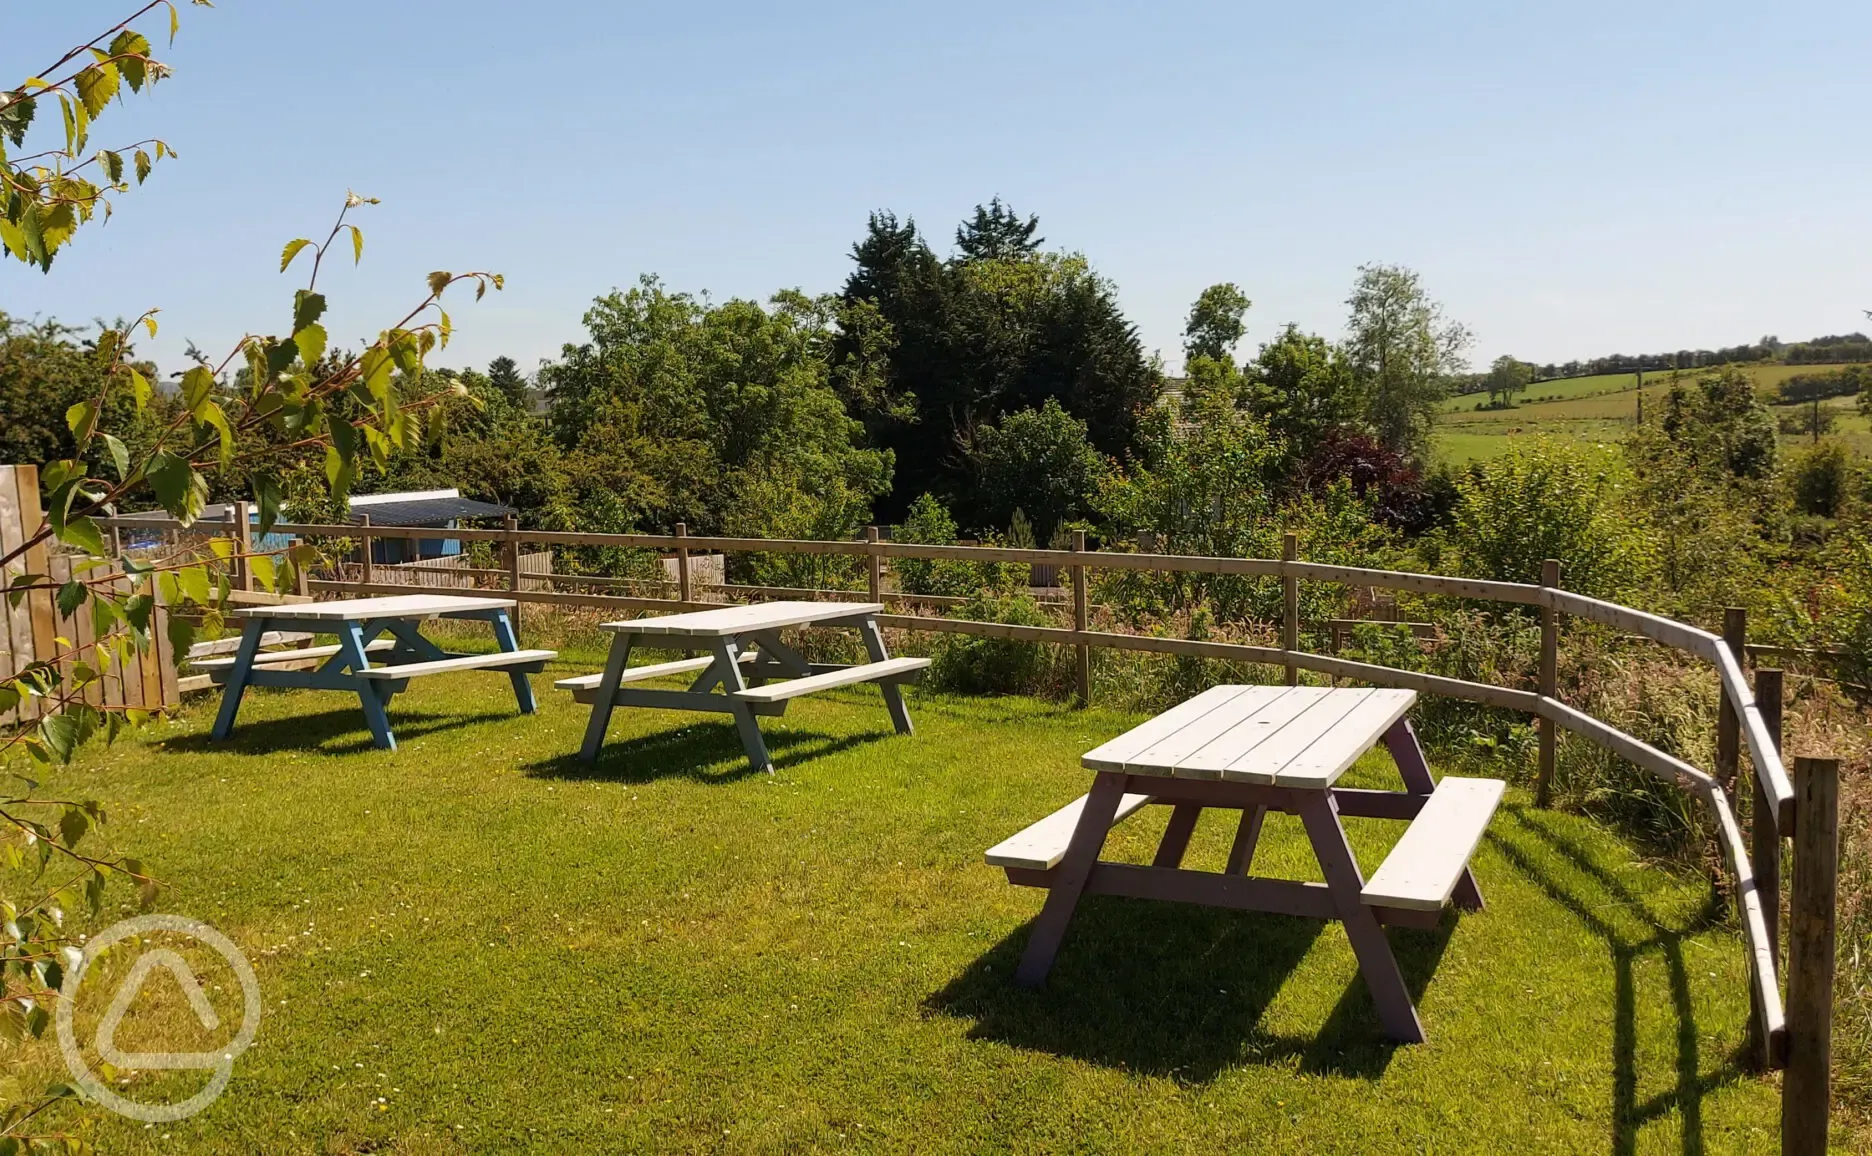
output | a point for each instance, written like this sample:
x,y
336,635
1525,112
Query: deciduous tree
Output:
x,y
1404,351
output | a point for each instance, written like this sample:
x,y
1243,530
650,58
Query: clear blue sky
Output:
x,y
1570,179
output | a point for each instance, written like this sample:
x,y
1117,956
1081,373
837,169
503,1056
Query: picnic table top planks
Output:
x,y
1299,736
736,620
403,606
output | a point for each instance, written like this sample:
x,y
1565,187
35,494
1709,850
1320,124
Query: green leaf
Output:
x,y
72,825
143,166
194,583
120,455
71,596
279,357
84,534
264,571
197,384
179,488
59,732
311,343
140,389
292,250
113,165
357,244
307,308
181,636
267,493
16,118
439,281
131,44
96,85
81,419
211,414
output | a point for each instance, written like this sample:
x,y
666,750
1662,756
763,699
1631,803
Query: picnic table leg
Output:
x,y
504,636
1414,769
606,698
893,694
1176,836
1241,852
237,677
1376,962
1082,852
728,658
371,698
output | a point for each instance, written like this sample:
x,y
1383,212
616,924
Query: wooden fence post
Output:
x,y
1080,620
364,550
1290,605
243,544
1806,1088
1765,849
876,561
682,563
302,581
511,527
1549,686
1728,718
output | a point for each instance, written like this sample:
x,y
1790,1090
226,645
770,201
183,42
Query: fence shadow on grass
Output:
x,y
1174,990
339,731
1531,833
708,752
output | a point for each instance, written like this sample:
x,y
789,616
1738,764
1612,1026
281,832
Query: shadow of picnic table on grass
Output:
x,y
1179,991
1529,833
707,752
340,731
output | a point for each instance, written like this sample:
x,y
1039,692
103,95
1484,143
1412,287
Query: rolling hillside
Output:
x,y
1600,409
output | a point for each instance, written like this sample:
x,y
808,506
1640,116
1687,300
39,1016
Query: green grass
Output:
x,y
666,953
1601,410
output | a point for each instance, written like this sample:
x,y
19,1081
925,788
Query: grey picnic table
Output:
x,y
347,664
743,653
1258,749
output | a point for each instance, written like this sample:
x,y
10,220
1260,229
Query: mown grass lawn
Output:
x,y
476,944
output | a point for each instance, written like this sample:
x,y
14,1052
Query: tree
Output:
x,y
1215,322
1507,376
1304,390
45,196
1038,461
997,233
674,404
508,381
951,346
1404,352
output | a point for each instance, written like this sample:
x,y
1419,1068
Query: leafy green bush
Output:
x,y
966,664
1548,499
1040,461
929,523
1821,478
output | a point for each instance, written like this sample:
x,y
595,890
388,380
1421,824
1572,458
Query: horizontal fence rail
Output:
x,y
1771,777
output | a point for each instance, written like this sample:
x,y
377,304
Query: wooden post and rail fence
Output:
x,y
1790,1032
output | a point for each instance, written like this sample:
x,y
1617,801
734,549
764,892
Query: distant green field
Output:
x,y
1600,409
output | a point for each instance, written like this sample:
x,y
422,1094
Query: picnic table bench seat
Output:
x,y
526,661
1423,868
281,657
584,687
1041,846
889,670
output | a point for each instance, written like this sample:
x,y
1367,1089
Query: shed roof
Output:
x,y
427,511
